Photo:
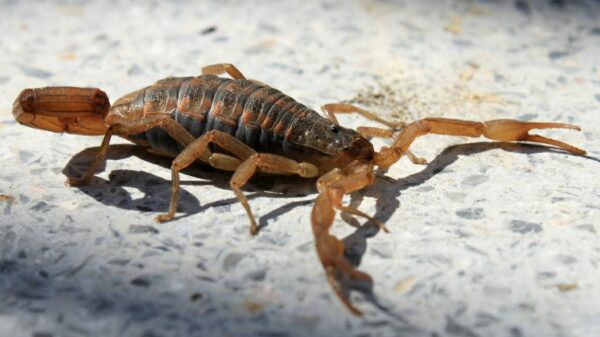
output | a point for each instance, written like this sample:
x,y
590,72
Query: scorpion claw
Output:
x,y
331,254
337,288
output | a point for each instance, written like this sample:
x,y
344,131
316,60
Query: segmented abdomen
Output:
x,y
256,114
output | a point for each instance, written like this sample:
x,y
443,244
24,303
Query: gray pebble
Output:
x,y
232,260
35,72
471,213
139,229
523,227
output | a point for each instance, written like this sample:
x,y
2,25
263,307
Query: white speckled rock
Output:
x,y
487,240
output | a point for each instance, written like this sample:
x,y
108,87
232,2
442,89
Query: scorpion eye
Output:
x,y
334,129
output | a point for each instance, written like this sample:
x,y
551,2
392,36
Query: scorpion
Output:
x,y
245,126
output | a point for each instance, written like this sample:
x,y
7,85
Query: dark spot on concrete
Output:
x,y
453,328
42,207
232,260
545,275
474,180
134,70
35,72
148,333
554,55
7,266
257,275
25,156
558,3
587,228
119,262
42,334
139,229
597,97
515,332
43,274
201,266
141,281
206,279
208,30
463,43
101,37
268,28
471,213
522,227
196,296
567,259
523,7
305,246
528,117
30,296
595,31
499,78
101,304
221,39
425,189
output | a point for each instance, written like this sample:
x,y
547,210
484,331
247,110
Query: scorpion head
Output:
x,y
331,145
63,109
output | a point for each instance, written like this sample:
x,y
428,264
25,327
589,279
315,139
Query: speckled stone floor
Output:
x,y
487,240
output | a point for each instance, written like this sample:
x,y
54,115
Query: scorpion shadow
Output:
x,y
113,192
386,191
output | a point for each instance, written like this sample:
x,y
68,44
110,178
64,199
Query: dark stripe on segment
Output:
x,y
194,103
249,122
161,98
228,106
269,140
297,113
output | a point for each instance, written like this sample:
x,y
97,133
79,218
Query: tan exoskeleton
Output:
x,y
245,126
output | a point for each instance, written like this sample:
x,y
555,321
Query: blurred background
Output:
x,y
487,240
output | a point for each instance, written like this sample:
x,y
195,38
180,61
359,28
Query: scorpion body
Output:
x,y
260,116
246,127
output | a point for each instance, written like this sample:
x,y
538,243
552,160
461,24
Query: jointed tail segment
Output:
x,y
63,109
84,111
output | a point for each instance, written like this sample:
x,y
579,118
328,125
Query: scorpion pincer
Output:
x,y
254,127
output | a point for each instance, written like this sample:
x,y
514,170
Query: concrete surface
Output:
x,y
487,240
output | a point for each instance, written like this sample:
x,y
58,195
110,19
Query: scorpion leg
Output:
x,y
243,170
339,108
504,130
329,248
124,128
373,132
198,149
270,163
97,160
221,68
368,131
164,121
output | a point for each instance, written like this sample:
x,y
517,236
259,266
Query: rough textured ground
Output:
x,y
487,240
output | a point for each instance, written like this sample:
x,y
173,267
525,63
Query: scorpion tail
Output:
x,y
63,109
